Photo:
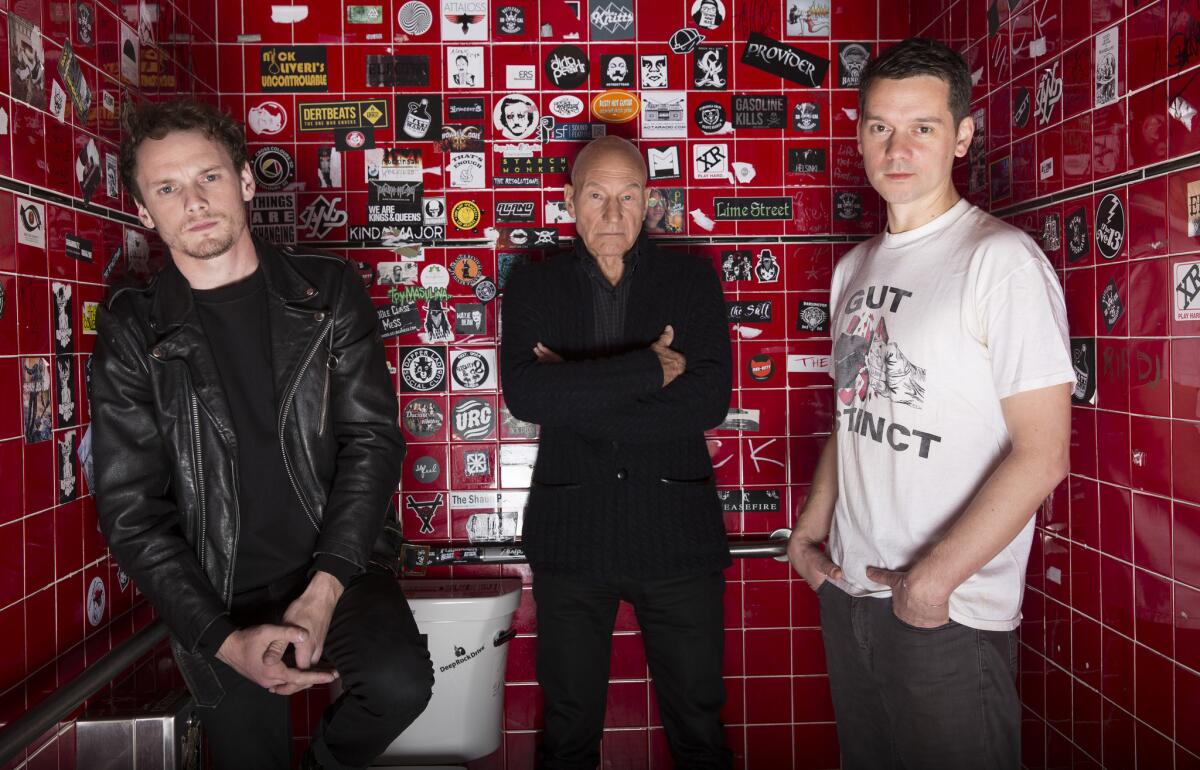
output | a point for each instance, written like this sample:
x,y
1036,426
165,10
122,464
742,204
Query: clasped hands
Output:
x,y
257,652
914,601
673,362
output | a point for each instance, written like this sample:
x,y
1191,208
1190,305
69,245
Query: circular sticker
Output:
x,y
566,106
470,369
710,117
435,277
473,419
1110,226
426,470
267,119
485,290
272,168
96,600
567,67
761,367
423,369
466,269
422,417
355,139
515,116
414,17
708,14
465,215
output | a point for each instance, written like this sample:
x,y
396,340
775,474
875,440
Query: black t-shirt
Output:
x,y
276,538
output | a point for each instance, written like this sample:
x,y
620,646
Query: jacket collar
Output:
x,y
173,301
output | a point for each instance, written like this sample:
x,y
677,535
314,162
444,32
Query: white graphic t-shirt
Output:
x,y
931,328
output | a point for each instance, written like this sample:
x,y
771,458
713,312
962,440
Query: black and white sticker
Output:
x,y
395,320
710,161
422,369
759,111
736,265
766,270
473,369
470,318
396,71
424,510
464,68
729,209
1078,242
1048,94
755,311
847,205
1187,291
710,68
708,14
426,470
464,20
1111,306
273,216
31,223
514,212
611,19
272,167
1083,359
653,71
710,117
472,419
749,500
419,115
515,116
852,60
1022,107
787,62
470,109
806,160
806,117
664,115
812,316
616,71
567,67
663,162
1051,233
510,20
1110,226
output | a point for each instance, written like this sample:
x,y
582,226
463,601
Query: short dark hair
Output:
x,y
921,56
154,120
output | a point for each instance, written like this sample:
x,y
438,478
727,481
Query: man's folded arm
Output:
x,y
565,392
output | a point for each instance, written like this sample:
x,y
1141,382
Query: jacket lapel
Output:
x,y
296,311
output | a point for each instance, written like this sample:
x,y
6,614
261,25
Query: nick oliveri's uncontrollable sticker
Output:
x,y
727,209
1187,291
326,116
295,68
780,59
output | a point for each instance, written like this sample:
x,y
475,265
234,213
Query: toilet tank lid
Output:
x,y
462,599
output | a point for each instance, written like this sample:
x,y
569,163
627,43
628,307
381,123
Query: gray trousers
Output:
x,y
911,698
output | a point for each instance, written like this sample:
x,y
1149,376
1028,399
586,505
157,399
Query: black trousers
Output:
x,y
910,698
683,630
380,656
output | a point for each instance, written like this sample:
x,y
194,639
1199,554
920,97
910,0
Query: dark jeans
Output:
x,y
683,630
385,671
918,699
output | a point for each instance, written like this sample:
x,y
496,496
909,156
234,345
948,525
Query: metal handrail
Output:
x,y
26,729
31,725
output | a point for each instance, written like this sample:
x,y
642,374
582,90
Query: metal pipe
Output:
x,y
31,725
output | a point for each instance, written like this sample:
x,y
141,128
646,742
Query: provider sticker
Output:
x,y
327,116
727,209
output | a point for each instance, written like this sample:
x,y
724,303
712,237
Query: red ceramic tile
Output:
x,y
1185,442
1155,691
1085,581
767,652
1186,543
1112,433
1152,608
627,704
1150,446
1086,719
1187,625
1187,701
1117,676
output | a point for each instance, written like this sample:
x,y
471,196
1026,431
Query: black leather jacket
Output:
x,y
166,469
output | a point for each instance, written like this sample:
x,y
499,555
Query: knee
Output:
x,y
399,684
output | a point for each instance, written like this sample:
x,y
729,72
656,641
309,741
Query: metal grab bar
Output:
x,y
416,558
27,728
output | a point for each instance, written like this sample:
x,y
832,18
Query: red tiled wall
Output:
x,y
1110,644
1115,535
51,553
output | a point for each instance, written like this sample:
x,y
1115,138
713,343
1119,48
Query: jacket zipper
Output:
x,y
199,478
283,415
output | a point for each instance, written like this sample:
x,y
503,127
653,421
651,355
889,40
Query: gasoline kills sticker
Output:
x,y
295,68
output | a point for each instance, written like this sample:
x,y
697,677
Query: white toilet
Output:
x,y
467,623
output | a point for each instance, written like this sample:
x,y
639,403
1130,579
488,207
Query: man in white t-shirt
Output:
x,y
952,379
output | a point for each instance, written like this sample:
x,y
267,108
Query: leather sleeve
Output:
x,y
134,501
562,393
363,417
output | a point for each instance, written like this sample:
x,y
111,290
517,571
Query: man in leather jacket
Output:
x,y
246,452
619,350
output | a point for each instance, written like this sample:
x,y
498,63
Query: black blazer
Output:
x,y
623,483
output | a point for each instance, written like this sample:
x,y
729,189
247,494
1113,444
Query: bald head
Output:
x,y
604,151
